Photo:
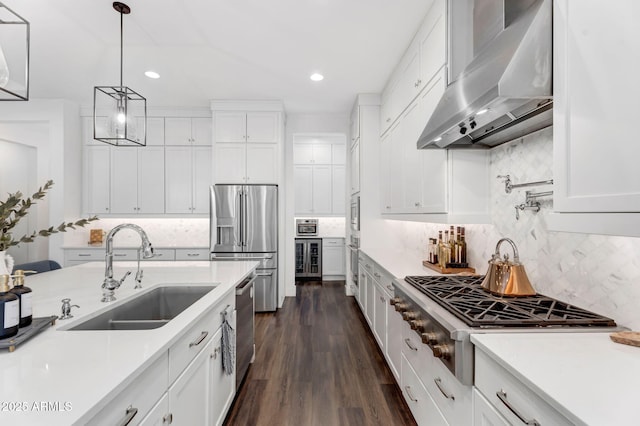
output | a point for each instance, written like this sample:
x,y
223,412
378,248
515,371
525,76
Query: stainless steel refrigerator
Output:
x,y
244,225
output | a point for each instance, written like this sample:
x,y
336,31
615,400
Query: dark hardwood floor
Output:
x,y
317,364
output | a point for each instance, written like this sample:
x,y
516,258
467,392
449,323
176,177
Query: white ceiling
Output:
x,y
220,49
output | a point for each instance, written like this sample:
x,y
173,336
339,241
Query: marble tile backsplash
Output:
x,y
170,232
596,272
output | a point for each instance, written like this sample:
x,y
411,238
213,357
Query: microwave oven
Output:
x,y
355,214
306,227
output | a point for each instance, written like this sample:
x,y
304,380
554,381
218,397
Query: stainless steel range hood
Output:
x,y
506,90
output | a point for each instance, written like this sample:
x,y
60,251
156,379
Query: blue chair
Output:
x,y
39,266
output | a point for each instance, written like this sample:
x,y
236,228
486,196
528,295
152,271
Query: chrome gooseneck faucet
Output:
x,y
110,283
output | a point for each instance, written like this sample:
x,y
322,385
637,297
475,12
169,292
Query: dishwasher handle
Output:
x,y
245,285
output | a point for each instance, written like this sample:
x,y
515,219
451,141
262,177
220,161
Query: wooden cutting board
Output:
x,y
626,337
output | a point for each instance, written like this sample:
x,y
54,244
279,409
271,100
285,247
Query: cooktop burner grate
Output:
x,y
465,298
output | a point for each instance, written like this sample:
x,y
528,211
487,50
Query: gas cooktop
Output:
x,y
465,298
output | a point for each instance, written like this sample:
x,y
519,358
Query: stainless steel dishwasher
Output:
x,y
245,346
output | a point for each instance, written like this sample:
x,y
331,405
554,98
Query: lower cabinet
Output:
x,y
485,414
422,407
333,259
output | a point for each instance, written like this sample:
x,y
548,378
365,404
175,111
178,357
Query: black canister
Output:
x,y
24,296
9,309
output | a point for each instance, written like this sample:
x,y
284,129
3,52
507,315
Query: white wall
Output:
x,y
595,272
58,158
301,124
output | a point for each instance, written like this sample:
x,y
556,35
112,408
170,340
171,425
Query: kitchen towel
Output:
x,y
228,344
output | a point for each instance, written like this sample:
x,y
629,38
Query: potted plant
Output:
x,y
14,208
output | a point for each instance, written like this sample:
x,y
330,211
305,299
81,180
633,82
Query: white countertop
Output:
x,y
585,376
129,246
397,263
86,368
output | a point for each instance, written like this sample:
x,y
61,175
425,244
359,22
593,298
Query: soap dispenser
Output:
x,y
9,309
24,296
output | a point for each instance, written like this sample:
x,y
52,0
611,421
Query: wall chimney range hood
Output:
x,y
505,92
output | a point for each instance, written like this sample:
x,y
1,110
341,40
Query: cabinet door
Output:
x,y
396,166
389,109
230,126
303,153
424,410
322,153
321,189
355,167
380,317
332,260
355,124
362,290
177,130
150,169
222,384
432,43
411,171
155,131
263,127
485,414
202,179
262,163
124,180
96,179
595,157
159,414
190,394
394,340
303,189
178,178
338,185
338,154
230,161
409,77
371,305
385,174
201,131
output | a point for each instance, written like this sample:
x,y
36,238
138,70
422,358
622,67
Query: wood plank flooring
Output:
x,y
317,364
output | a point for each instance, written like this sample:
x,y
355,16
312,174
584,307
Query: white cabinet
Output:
x,y
424,410
188,178
312,189
223,385
159,414
247,146
380,300
187,131
155,130
394,341
137,180
355,167
96,169
355,124
312,153
338,186
485,414
333,258
595,169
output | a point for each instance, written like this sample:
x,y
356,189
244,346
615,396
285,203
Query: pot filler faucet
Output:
x,y
110,283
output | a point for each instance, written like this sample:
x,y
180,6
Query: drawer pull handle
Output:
x,y
408,342
377,275
438,381
366,265
390,287
502,396
193,254
119,254
129,415
382,299
409,394
83,255
168,419
199,340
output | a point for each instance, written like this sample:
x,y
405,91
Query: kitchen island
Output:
x,y
63,377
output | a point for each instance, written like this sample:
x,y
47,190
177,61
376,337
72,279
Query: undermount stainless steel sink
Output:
x,y
147,311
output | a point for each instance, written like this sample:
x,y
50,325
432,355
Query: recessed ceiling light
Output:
x,y
152,74
316,77
482,111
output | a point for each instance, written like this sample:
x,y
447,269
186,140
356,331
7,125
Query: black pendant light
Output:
x,y
14,56
119,113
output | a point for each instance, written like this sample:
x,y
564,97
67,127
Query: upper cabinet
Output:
x,y
596,176
247,143
420,64
187,131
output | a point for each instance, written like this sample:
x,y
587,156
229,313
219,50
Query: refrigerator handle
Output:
x,y
307,257
237,230
244,218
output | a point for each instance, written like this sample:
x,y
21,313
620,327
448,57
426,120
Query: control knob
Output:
x,y
410,315
429,338
441,351
394,301
418,324
401,307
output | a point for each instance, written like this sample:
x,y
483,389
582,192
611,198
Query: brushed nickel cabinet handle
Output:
x,y
377,275
438,381
502,396
168,419
199,340
409,394
130,413
390,287
84,254
408,342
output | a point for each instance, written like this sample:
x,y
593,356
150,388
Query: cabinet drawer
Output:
x,y
384,278
185,349
417,353
192,254
143,392
84,255
163,254
422,407
332,242
493,380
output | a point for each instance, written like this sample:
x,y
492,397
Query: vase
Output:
x,y
6,263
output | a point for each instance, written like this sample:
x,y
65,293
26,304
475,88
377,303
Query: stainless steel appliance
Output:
x,y
244,225
309,258
245,346
353,257
306,227
506,90
355,214
446,310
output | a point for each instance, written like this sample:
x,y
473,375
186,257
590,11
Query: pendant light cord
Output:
x,y
121,47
